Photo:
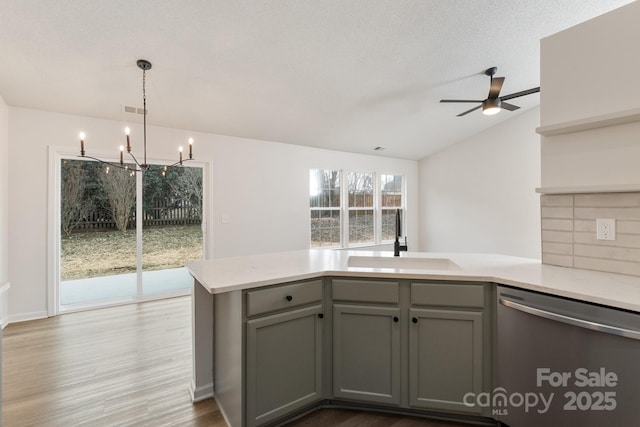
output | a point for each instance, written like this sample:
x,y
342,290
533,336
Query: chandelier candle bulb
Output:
x,y
190,148
82,144
121,153
126,132
180,151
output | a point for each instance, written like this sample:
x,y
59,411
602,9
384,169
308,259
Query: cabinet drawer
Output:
x,y
450,295
365,291
283,297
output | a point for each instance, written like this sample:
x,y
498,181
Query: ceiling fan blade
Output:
x,y
522,93
496,87
461,100
468,111
508,106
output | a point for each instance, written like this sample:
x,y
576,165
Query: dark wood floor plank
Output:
x,y
354,418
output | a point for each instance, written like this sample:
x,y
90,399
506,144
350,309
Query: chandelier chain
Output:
x,y
144,85
144,115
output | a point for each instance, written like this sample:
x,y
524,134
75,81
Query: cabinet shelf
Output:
x,y
582,189
603,120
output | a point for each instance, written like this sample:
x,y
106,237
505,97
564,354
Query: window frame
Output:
x,y
344,209
328,209
348,209
55,155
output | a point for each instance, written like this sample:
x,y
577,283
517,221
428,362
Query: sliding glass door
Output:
x,y
126,236
97,235
171,229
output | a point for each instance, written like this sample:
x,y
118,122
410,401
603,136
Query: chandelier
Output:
x,y
138,166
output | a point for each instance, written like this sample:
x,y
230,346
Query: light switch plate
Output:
x,y
606,229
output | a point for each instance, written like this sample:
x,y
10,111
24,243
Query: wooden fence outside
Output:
x,y
160,215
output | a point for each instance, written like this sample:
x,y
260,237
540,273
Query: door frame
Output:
x,y
56,155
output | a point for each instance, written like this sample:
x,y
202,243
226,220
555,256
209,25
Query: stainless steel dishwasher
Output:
x,y
564,363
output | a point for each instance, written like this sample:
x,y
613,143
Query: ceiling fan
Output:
x,y
494,101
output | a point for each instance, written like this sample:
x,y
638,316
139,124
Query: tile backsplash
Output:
x,y
569,231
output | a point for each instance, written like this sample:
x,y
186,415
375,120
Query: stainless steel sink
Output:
x,y
408,263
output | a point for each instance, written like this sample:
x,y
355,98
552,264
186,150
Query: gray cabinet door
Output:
x,y
445,358
284,363
366,353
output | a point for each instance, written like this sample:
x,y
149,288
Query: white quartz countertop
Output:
x,y
221,275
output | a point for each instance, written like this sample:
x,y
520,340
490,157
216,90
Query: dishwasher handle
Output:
x,y
594,326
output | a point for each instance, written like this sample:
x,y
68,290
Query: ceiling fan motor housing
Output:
x,y
491,71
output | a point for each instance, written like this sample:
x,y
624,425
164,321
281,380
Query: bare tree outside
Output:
x,y
178,200
360,189
361,212
391,200
74,206
359,215
188,187
97,209
324,200
324,188
120,188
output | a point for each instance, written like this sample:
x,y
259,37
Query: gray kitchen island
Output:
x,y
277,335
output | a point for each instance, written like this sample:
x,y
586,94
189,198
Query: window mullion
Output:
x,y
377,221
344,209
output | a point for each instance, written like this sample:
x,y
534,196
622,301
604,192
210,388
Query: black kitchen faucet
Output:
x,y
397,247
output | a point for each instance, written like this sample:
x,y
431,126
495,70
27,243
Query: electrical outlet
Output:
x,y
605,229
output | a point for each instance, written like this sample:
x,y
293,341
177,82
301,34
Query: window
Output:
x,y
324,199
360,212
391,190
361,217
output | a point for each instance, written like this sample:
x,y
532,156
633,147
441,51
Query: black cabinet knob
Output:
x,y
321,316
395,319
289,298
414,320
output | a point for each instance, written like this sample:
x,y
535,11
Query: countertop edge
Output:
x,y
581,285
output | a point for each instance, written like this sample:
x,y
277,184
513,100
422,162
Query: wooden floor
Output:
x,y
120,366
123,366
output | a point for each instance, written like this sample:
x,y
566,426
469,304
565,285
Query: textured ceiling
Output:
x,y
341,74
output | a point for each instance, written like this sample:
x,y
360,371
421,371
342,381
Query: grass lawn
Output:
x,y
105,253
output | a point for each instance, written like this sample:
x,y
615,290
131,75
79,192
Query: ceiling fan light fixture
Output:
x,y
491,106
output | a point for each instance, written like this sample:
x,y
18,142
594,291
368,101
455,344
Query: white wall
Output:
x,y
262,187
587,71
268,199
479,195
605,156
4,192
592,68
